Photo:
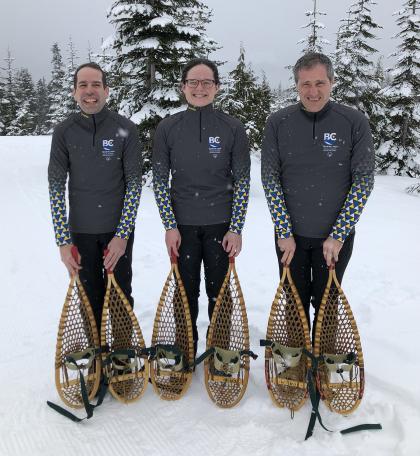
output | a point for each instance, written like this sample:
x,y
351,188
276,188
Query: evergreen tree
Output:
x,y
41,107
314,41
2,105
379,73
239,97
400,152
24,122
8,104
56,90
152,41
68,104
356,82
262,102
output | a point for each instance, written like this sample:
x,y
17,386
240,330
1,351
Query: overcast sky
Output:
x,y
269,30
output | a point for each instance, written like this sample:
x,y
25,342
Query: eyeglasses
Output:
x,y
205,83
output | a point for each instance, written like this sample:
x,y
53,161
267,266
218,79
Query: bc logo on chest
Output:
x,y
108,150
215,145
329,145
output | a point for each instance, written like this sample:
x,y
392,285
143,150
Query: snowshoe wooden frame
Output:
x,y
337,334
121,333
77,333
229,331
288,326
172,328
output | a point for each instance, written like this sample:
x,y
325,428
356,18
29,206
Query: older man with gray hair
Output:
x,y
317,166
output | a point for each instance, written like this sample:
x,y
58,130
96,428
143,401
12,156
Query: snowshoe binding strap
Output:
x,y
315,398
285,357
74,361
339,363
169,358
226,362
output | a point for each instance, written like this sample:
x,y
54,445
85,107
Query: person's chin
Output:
x,y
91,109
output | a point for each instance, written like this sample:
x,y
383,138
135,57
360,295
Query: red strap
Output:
x,y
106,251
75,253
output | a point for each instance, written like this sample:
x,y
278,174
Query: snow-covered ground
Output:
x,y
382,284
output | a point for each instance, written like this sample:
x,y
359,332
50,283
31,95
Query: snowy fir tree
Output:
x,y
57,90
3,103
8,103
153,39
400,152
41,107
68,104
356,83
262,102
239,96
23,123
314,41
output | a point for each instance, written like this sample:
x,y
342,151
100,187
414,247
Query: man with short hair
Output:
x,y
317,167
100,152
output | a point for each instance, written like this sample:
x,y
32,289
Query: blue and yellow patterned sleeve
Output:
x,y
160,170
270,177
59,214
129,211
362,168
57,176
132,163
241,166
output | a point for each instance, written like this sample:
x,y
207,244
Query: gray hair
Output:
x,y
311,59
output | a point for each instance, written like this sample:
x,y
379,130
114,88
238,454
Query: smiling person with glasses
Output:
x,y
203,209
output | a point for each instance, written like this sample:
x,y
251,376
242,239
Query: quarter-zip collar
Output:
x,y
200,111
315,116
94,120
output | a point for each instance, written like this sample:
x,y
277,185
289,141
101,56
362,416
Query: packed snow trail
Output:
x,y
382,285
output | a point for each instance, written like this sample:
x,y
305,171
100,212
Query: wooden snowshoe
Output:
x,y
226,365
172,340
124,354
77,346
340,378
286,365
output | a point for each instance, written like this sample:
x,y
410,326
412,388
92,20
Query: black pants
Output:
x,y
93,275
309,270
202,243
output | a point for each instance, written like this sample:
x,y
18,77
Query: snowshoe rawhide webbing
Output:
x,y
226,369
77,348
287,335
172,348
337,345
124,354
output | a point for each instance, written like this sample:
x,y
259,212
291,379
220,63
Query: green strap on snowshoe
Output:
x,y
71,360
339,363
116,361
315,398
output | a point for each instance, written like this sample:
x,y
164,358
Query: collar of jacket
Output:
x,y
318,114
207,108
98,117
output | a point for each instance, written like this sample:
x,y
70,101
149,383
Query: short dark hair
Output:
x,y
92,65
200,61
311,59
